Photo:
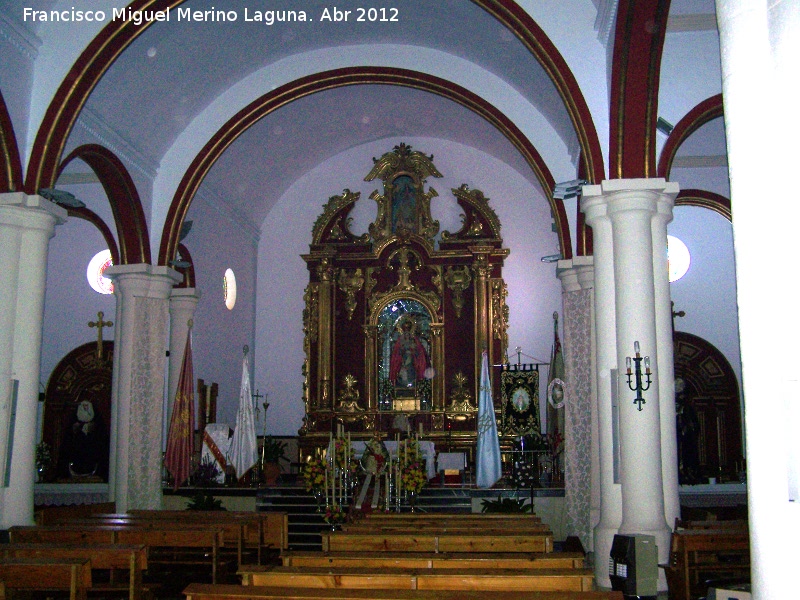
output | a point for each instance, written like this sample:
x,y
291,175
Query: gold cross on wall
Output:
x,y
100,324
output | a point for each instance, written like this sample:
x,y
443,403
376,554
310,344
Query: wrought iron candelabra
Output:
x,y
637,372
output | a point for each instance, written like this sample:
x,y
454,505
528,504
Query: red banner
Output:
x,y
180,438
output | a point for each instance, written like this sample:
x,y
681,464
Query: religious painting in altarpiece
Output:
x,y
76,418
396,319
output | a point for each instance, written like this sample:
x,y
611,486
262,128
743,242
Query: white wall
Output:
x,y
534,291
708,290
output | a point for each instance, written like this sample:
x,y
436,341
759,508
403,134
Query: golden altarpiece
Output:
x,y
395,321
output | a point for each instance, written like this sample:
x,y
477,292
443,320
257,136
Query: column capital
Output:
x,y
144,280
576,273
613,196
27,211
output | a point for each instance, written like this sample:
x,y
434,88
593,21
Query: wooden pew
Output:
x,y
234,531
44,574
697,555
113,558
422,541
422,579
49,515
271,531
171,544
394,518
451,527
431,560
197,591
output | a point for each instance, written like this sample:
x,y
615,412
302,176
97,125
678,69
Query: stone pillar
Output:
x,y
760,51
605,360
26,225
137,396
577,282
631,215
182,304
665,369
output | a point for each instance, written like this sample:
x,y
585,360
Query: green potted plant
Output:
x,y
272,453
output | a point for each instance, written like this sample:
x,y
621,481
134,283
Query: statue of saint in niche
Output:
x,y
409,356
84,450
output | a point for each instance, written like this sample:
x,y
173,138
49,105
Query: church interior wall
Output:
x,y
707,293
690,72
16,73
534,291
70,303
217,243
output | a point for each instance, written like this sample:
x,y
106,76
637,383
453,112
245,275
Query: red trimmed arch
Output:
x,y
118,34
124,199
318,82
71,95
708,110
710,200
10,163
536,40
638,43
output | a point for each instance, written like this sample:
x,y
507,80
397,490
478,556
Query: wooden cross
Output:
x,y
100,324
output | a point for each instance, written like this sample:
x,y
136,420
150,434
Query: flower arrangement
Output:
x,y
408,452
413,476
207,473
335,514
313,473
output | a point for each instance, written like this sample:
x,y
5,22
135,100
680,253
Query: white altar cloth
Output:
x,y
426,447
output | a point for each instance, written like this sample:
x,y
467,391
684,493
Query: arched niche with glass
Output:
x,y
405,356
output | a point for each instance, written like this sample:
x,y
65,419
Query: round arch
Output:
x,y
285,94
704,199
112,40
10,163
709,109
125,204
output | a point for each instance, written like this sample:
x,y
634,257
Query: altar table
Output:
x,y
425,446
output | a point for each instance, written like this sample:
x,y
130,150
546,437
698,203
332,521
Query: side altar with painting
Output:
x,y
396,319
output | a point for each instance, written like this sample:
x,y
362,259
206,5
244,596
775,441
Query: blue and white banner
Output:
x,y
489,464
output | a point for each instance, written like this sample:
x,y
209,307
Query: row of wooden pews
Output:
x,y
420,557
703,551
130,554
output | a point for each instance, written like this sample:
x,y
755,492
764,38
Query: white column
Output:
x,y
605,360
629,218
26,225
760,48
137,397
665,368
182,304
632,204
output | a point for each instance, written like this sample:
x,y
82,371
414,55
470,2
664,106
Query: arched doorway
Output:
x,y
709,412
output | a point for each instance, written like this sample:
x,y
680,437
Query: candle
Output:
x,y
326,485
647,364
628,364
419,429
636,348
208,402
